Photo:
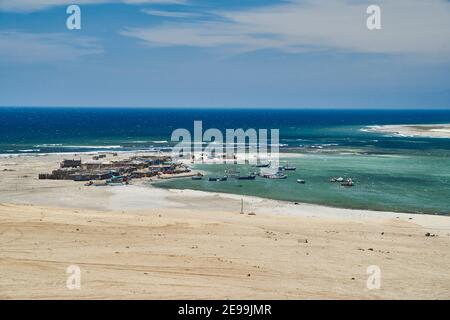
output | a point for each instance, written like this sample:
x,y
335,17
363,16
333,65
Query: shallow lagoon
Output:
x,y
382,182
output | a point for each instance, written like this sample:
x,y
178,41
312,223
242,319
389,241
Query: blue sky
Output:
x,y
199,53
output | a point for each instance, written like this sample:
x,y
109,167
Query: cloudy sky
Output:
x,y
225,53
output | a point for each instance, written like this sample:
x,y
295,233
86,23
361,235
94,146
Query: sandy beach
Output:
x,y
141,242
422,130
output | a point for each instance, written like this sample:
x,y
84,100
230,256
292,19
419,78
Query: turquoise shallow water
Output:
x,y
391,172
419,184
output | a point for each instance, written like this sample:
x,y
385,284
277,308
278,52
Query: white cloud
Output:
x,y
35,5
418,27
44,47
170,14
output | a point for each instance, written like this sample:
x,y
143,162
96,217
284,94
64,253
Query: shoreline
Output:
x,y
413,130
275,207
299,202
164,192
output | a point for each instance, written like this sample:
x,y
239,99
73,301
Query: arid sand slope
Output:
x,y
138,242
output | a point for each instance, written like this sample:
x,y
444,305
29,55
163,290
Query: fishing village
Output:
x,y
101,171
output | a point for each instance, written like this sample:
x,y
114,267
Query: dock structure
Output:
x,y
134,167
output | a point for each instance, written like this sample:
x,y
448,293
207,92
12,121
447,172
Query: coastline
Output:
x,y
21,186
144,242
413,130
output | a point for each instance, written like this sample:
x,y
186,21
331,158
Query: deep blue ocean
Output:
x,y
391,172
46,130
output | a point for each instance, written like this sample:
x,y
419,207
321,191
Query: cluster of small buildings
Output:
x,y
134,167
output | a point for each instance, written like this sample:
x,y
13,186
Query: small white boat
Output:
x,y
348,183
301,181
218,179
277,176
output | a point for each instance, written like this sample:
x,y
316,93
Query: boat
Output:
x,y
277,176
340,179
232,171
289,168
270,175
249,177
217,179
197,177
117,181
81,178
348,183
301,181
263,165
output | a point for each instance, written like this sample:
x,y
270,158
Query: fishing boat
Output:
x,y
249,177
301,181
217,179
277,176
232,171
263,165
117,181
81,178
289,168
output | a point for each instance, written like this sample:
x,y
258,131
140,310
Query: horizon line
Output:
x,y
229,108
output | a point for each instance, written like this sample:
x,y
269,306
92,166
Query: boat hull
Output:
x,y
247,178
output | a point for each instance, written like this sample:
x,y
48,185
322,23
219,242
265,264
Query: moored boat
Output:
x,y
217,179
277,176
348,183
263,165
117,180
289,168
249,177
